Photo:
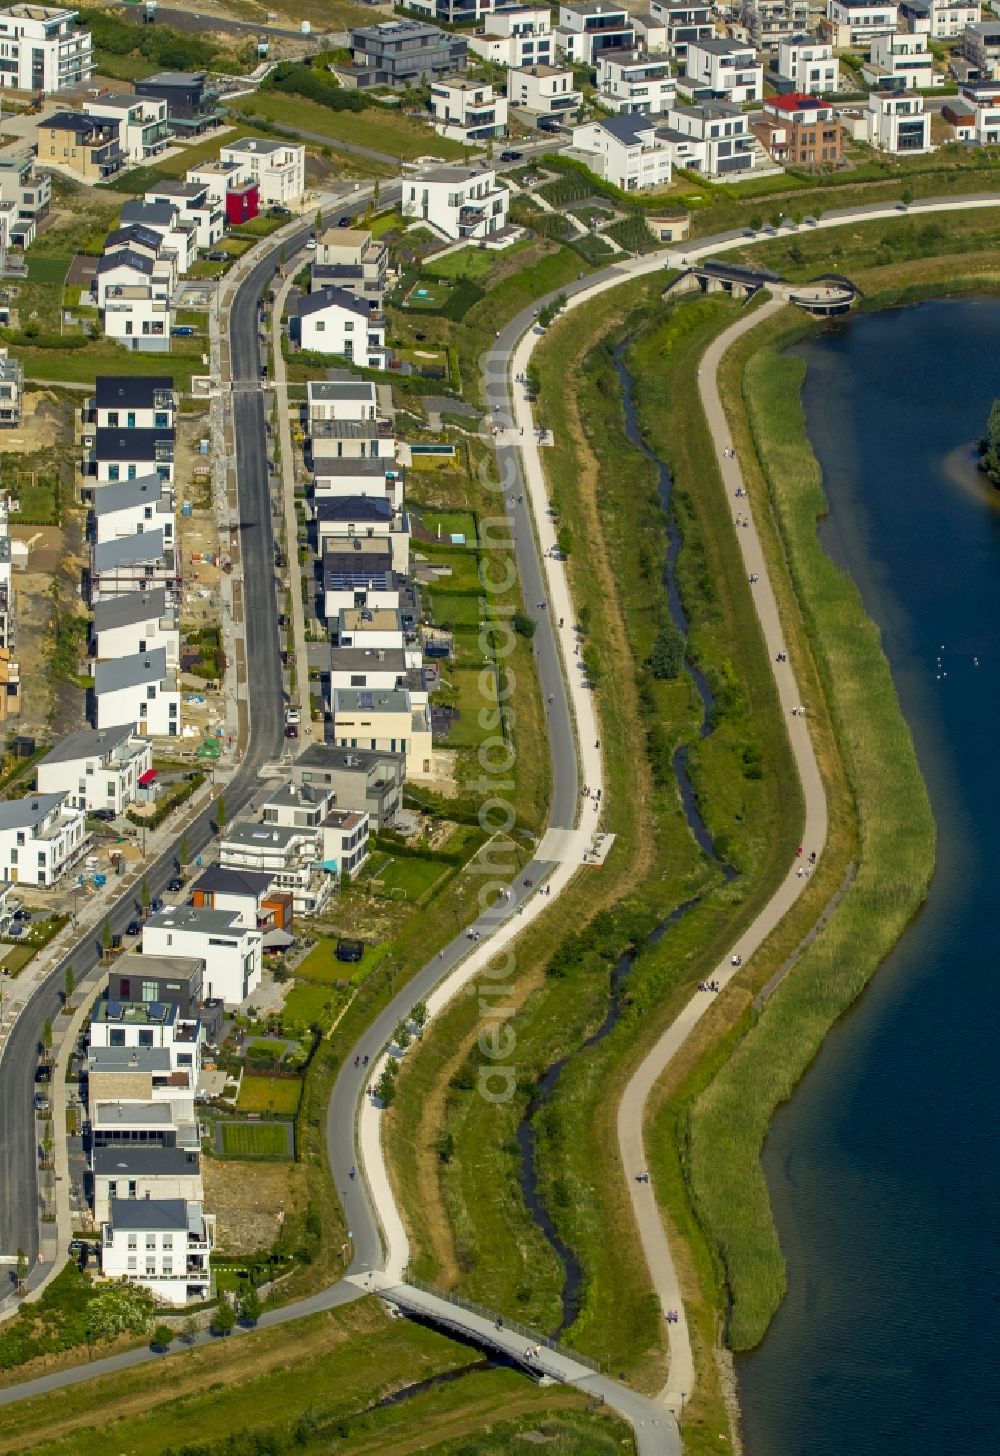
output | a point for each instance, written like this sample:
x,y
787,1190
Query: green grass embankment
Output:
x,y
895,861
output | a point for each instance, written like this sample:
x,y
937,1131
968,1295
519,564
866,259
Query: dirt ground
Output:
x,y
250,1200
43,424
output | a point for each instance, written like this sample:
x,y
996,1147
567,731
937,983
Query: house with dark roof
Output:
x,y
134,623
87,146
162,1244
97,768
333,321
132,401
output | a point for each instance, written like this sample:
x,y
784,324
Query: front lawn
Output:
x,y
386,132
466,263
269,1094
322,967
408,878
311,1003
254,1139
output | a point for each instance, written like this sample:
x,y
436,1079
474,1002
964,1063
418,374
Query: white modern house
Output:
x,y
132,402
370,630
543,90
467,111
345,835
27,193
133,292
278,168
809,64
131,453
352,259
141,689
133,563
347,518
900,62
625,151
856,22
143,127
460,202
231,951
133,1171
132,507
333,321
41,837
634,84
291,855
683,22
194,207
178,236
135,623
97,768
940,19
343,398
713,138
376,670
146,1024
43,48
975,113
892,122
981,47
517,35
358,573
350,477
588,27
729,71
162,1244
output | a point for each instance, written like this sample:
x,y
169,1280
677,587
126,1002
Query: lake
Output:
x,y
883,1168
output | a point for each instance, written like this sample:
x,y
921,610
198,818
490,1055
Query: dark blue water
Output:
x,y
883,1167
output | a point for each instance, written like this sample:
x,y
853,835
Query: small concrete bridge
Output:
x,y
824,296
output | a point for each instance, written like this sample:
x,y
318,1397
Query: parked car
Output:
x,y
291,731
134,927
182,331
41,1102
292,715
219,255
349,951
509,156
104,815
345,221
155,905
311,244
175,884
22,916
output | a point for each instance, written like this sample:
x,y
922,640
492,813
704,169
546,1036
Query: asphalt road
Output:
x,y
18,1184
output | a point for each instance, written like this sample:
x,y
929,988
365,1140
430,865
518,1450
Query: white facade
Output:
x,y
133,507
195,207
96,770
978,113
981,46
143,128
387,721
714,139
631,157
891,122
291,855
543,90
683,23
231,951
141,690
333,321
461,202
278,168
134,623
730,71
345,840
41,836
856,22
467,111
634,84
901,61
810,64
163,1245
514,37
136,1176
130,402
768,22
589,27
43,49
340,399
950,18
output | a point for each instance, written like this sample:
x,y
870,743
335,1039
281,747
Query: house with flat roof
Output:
x,y
162,1244
344,397
141,1173
290,854
28,192
346,518
194,209
809,64
45,49
173,980
358,573
515,36
713,138
192,105
893,121
398,53
634,84
467,111
350,258
725,70
683,22
88,146
143,128
768,22
543,89
342,477
384,720
97,768
460,202
278,168
231,950
358,779
900,62
586,28
140,689
41,837
856,22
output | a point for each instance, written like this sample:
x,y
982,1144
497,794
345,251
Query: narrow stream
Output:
x,y
526,1138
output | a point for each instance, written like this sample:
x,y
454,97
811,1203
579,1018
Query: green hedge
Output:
x,y
169,804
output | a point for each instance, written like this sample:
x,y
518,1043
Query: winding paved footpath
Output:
x,y
632,1106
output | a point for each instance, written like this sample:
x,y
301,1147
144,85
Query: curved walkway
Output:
x,y
654,1434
